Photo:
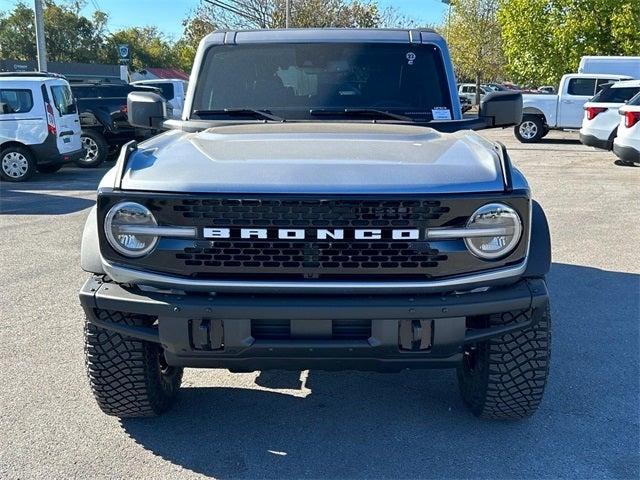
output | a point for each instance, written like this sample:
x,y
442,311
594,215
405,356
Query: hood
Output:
x,y
318,157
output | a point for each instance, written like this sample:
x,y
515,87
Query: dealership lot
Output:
x,y
321,424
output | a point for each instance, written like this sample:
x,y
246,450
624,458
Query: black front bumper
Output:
x,y
626,154
593,141
406,331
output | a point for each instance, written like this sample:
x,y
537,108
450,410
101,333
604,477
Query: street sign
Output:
x,y
124,54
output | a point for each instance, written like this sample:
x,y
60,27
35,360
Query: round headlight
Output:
x,y
498,231
121,226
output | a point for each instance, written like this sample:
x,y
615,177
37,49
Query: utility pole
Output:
x,y
40,45
287,16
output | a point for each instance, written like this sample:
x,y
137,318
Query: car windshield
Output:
x,y
296,81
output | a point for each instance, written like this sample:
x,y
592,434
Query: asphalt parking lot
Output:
x,y
332,425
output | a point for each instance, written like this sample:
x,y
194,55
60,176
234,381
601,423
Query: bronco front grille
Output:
x,y
310,213
271,258
313,255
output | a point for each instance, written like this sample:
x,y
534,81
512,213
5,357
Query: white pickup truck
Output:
x,y
543,112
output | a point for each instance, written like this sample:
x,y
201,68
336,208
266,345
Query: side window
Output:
x,y
15,101
584,87
63,99
166,88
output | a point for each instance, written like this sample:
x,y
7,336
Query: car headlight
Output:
x,y
498,230
127,227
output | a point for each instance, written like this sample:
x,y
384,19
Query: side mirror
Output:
x,y
146,110
501,109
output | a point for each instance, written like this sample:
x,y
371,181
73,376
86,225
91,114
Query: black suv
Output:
x,y
103,117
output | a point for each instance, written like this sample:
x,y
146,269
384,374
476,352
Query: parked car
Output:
x,y
626,145
601,117
465,104
39,125
496,87
547,89
542,112
103,116
468,90
620,65
173,90
277,226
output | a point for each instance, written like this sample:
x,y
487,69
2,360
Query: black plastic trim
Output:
x,y
505,164
121,165
539,260
242,352
626,154
593,141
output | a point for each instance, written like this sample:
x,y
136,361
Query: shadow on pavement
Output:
x,y
413,424
35,197
14,202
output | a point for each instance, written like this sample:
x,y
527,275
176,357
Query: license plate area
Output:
x,y
284,329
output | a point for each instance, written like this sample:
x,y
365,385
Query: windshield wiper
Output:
x,y
372,112
239,112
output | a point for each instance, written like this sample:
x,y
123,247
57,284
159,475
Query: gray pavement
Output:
x,y
332,425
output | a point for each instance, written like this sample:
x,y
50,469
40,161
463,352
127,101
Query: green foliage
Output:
x,y
544,39
473,34
148,46
69,36
18,33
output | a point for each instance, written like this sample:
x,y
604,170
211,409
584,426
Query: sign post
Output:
x,y
124,57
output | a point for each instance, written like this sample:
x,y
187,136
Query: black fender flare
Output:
x,y
539,261
102,117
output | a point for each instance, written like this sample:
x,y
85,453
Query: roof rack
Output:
x,y
31,74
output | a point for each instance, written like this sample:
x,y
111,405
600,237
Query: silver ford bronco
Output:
x,y
321,204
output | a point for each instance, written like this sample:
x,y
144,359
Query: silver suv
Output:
x,y
311,212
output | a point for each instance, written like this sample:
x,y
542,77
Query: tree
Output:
x,y
544,39
473,35
149,48
271,14
70,37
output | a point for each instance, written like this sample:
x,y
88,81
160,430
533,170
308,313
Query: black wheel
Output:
x,y
96,149
51,168
128,377
505,377
16,164
531,129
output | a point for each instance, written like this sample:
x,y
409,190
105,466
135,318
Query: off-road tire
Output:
x,y
50,168
17,164
96,146
126,375
505,377
537,124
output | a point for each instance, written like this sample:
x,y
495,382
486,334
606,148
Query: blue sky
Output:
x,y
168,14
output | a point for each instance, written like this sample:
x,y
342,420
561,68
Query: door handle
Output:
x,y
567,101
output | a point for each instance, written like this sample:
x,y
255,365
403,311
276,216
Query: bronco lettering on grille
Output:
x,y
316,234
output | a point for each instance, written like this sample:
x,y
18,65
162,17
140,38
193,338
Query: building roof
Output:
x,y
167,73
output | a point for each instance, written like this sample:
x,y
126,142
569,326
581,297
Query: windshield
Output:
x,y
615,95
294,80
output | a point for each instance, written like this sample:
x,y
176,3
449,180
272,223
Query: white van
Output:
x,y
174,92
39,125
613,65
